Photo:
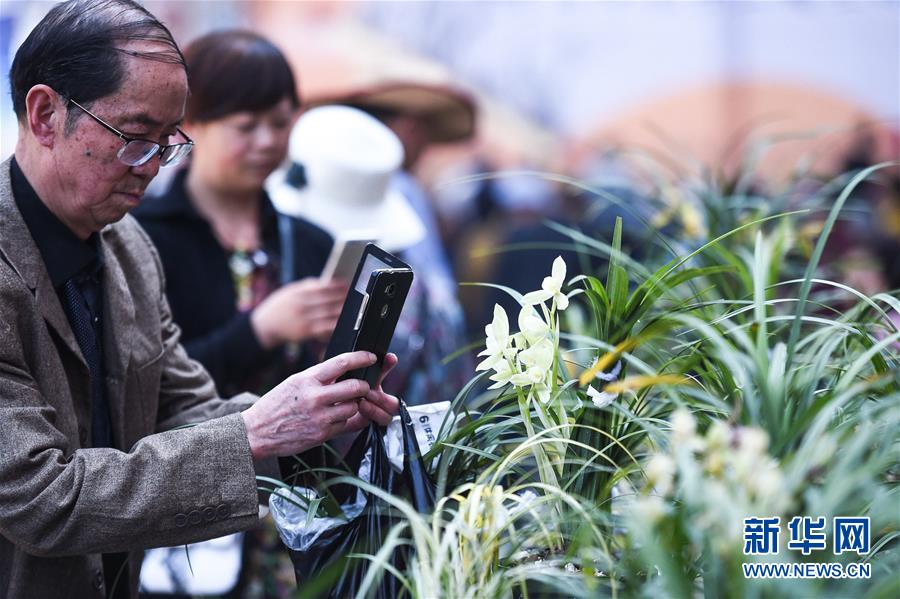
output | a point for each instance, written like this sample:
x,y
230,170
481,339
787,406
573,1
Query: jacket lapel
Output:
x,y
21,253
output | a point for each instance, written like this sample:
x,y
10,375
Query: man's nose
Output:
x,y
149,169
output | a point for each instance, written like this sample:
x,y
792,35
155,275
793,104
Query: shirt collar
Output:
x,y
63,253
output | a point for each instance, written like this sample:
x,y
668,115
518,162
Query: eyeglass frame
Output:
x,y
127,139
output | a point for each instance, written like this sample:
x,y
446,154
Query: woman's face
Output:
x,y
238,151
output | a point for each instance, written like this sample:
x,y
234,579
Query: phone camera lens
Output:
x,y
384,310
390,290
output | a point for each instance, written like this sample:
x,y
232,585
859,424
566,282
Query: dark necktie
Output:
x,y
82,294
83,304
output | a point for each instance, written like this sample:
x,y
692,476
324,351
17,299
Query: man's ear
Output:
x,y
45,114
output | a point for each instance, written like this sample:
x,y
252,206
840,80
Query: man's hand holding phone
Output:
x,y
313,406
377,406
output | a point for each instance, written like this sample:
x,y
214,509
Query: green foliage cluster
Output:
x,y
686,394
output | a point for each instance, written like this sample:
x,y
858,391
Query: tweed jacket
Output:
x,y
61,504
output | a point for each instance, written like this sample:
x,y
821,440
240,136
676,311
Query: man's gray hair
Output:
x,y
78,50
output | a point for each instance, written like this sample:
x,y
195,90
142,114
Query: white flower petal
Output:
x,y
617,368
485,352
612,374
683,426
649,508
500,325
536,297
501,376
532,326
542,392
539,355
488,363
519,341
559,270
660,468
521,380
550,285
536,375
753,441
601,399
503,367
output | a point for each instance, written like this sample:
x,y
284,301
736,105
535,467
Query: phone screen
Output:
x,y
371,264
344,258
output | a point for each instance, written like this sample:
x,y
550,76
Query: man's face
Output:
x,y
96,188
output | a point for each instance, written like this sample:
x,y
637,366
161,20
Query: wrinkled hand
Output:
x,y
299,311
309,408
377,405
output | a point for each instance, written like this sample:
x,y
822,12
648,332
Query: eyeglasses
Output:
x,y
137,152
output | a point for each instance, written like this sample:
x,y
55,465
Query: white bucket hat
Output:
x,y
347,159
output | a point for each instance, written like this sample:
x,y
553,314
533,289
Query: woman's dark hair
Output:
x,y
77,50
236,71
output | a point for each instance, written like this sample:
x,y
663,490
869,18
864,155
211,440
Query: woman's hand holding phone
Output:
x,y
300,311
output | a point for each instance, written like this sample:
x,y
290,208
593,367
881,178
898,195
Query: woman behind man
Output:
x,y
230,261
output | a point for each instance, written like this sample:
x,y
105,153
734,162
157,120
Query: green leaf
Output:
x,y
820,247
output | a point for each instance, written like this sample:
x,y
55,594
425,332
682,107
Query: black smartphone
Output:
x,y
371,310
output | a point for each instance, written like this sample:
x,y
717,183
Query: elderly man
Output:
x,y
92,377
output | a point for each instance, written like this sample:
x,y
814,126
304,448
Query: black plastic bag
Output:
x,y
324,570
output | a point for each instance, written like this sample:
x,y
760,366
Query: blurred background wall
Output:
x,y
559,81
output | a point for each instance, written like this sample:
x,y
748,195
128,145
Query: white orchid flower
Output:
x,y
601,399
498,330
551,288
555,281
684,428
519,343
490,362
497,341
532,376
539,355
503,374
532,327
542,392
536,362
753,441
660,471
611,375
753,444
649,508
